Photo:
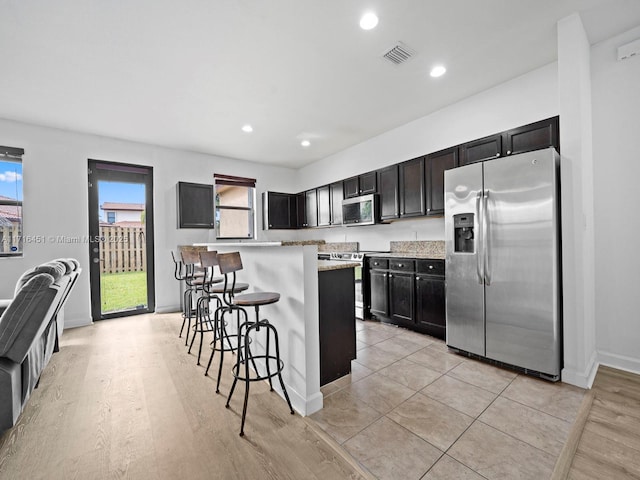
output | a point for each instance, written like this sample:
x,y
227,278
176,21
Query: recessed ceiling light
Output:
x,y
368,21
438,71
247,128
305,143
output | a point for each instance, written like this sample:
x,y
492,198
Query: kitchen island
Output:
x,y
291,269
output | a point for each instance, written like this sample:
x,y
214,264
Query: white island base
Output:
x,y
291,271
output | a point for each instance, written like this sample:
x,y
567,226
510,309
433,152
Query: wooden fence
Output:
x,y
122,249
9,236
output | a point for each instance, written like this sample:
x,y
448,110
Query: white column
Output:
x,y
578,239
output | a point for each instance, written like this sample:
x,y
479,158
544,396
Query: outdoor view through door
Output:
x,y
121,240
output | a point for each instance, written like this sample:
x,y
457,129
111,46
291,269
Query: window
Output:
x,y
234,201
111,217
11,237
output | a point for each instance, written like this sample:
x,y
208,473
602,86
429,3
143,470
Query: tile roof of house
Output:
x,y
11,212
122,206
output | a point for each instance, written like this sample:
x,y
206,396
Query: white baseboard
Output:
x,y
302,406
77,322
168,309
583,379
621,362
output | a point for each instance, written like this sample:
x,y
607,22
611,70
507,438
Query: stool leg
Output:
x,y
205,310
284,389
246,383
223,334
184,309
215,340
189,297
236,368
195,326
267,358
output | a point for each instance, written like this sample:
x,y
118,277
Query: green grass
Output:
x,y
123,291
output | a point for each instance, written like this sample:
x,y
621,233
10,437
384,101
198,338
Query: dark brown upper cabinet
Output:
x,y
482,149
311,208
279,210
337,195
435,165
195,205
324,206
389,192
360,185
534,136
301,211
412,182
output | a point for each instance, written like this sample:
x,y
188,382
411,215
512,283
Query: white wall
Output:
x,y
56,201
574,91
525,99
125,216
616,125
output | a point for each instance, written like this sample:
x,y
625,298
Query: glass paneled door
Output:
x,y
120,239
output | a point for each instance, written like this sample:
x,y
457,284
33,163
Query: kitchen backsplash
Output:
x,y
429,247
339,247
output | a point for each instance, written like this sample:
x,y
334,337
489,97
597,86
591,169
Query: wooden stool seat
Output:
x,y
257,298
239,287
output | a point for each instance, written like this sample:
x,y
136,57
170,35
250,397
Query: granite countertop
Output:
x,y
300,243
325,265
255,243
418,255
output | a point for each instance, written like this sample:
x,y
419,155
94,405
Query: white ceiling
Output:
x,y
188,74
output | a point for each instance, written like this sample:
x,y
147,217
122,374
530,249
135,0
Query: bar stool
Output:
x,y
227,292
203,322
194,282
230,263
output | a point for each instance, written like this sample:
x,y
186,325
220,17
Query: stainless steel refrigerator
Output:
x,y
503,279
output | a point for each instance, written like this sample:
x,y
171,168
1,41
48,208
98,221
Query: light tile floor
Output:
x,y
411,409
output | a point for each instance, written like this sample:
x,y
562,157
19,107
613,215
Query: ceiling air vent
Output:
x,y
399,53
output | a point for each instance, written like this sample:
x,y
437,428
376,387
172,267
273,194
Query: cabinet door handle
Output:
x,y
417,278
430,267
508,152
498,154
390,276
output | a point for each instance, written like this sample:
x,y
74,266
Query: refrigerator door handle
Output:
x,y
485,238
479,259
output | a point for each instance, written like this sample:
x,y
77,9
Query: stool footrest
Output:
x,y
274,368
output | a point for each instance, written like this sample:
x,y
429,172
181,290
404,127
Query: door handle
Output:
x,y
479,259
485,233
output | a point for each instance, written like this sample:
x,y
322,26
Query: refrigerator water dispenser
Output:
x,y
463,233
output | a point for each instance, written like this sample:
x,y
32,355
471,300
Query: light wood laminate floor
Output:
x,y
122,399
610,443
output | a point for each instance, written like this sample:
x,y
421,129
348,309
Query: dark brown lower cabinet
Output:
x,y
379,292
401,288
337,318
430,309
407,292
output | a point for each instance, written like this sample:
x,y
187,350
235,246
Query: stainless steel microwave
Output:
x,y
360,210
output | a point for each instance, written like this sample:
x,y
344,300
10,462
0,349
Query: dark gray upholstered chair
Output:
x,y
30,327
